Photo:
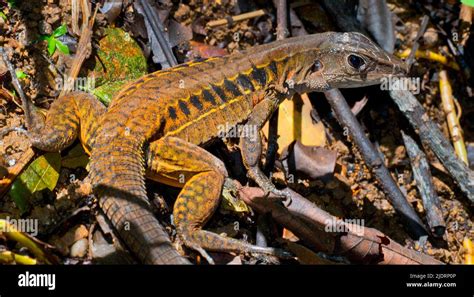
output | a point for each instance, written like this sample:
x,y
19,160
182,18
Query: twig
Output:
x,y
75,7
416,44
14,171
432,137
296,25
35,246
282,19
236,18
455,47
83,51
341,13
7,257
15,82
281,33
157,27
347,119
451,118
432,56
313,225
422,176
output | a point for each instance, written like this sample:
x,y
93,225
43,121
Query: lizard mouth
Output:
x,y
401,69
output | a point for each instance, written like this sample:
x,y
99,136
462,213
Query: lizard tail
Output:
x,y
117,174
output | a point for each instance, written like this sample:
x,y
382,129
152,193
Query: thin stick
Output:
x,y
281,33
451,117
282,20
15,82
317,228
347,119
236,18
422,176
416,44
157,27
75,7
14,171
83,51
432,137
432,56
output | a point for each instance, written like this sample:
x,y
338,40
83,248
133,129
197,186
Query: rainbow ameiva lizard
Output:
x,y
157,127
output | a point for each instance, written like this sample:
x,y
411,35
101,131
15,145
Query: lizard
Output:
x,y
158,127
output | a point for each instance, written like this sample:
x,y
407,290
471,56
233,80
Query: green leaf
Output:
x,y
20,195
62,47
75,158
3,16
43,173
20,74
51,45
60,31
11,3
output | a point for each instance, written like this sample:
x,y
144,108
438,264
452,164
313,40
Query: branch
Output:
x,y
432,137
360,244
422,176
347,119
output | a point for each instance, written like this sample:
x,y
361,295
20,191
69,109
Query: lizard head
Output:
x,y
346,60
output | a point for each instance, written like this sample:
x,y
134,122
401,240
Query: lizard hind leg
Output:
x,y
201,176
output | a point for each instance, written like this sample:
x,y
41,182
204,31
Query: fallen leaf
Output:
x,y
288,235
43,173
306,256
295,123
75,158
313,161
202,50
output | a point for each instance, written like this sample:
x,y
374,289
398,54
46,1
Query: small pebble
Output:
x,y
430,37
45,28
79,248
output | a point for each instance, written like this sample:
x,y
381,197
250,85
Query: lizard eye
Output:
x,y
356,62
317,66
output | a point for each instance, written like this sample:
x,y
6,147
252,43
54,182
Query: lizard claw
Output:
x,y
205,255
5,131
279,194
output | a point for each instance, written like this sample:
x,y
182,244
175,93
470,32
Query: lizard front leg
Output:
x,y
74,114
201,176
251,143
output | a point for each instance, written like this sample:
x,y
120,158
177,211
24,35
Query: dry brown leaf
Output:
x,y
306,256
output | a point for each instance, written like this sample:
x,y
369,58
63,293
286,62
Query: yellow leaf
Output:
x,y
295,123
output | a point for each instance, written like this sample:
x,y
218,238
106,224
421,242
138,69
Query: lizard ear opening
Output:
x,y
317,66
356,62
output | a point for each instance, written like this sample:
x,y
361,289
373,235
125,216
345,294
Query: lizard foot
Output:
x,y
272,192
202,252
202,240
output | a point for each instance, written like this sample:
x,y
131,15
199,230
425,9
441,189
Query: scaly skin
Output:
x,y
158,125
